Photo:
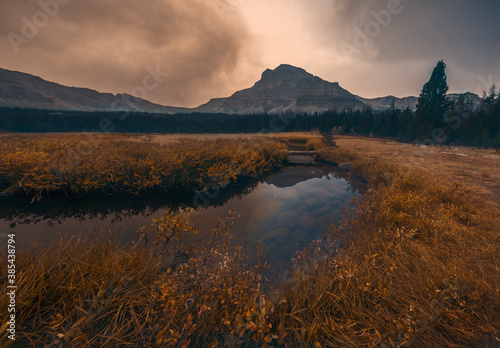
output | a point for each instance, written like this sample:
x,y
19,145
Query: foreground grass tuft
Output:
x,y
87,293
92,293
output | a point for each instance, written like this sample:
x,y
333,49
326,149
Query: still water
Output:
x,y
286,211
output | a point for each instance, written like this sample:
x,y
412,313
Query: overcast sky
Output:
x,y
212,48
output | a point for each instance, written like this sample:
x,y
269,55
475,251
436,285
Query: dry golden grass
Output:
x,y
301,141
415,263
84,293
420,266
314,144
478,168
166,139
92,293
75,165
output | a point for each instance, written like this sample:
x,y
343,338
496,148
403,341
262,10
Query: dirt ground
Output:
x,y
478,168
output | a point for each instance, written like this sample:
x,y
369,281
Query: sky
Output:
x,y
196,50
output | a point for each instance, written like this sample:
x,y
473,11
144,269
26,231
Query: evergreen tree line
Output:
x,y
440,120
478,128
437,120
365,122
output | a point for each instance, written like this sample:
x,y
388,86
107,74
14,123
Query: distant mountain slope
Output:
x,y
385,103
286,88
27,91
473,98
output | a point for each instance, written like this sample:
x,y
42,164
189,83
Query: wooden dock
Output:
x,y
302,153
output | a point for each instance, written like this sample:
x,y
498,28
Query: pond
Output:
x,y
287,210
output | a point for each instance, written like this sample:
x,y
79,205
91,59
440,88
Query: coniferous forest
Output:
x,y
459,126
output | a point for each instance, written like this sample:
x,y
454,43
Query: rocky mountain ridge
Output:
x,y
28,91
284,89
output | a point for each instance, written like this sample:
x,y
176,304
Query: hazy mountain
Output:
x,y
27,91
286,88
473,98
384,103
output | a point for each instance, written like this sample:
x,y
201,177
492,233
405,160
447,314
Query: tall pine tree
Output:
x,y
433,102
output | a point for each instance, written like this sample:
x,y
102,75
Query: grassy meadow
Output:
x,y
76,165
414,263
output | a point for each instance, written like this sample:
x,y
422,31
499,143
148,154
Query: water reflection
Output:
x,y
289,210
286,211
115,208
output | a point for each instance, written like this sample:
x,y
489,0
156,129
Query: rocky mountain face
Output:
x,y
27,91
284,89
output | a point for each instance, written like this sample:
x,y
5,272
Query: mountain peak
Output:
x,y
286,89
286,71
290,68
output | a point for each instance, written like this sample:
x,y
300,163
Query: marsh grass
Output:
x,y
414,263
87,293
298,140
419,266
76,165
476,167
94,293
